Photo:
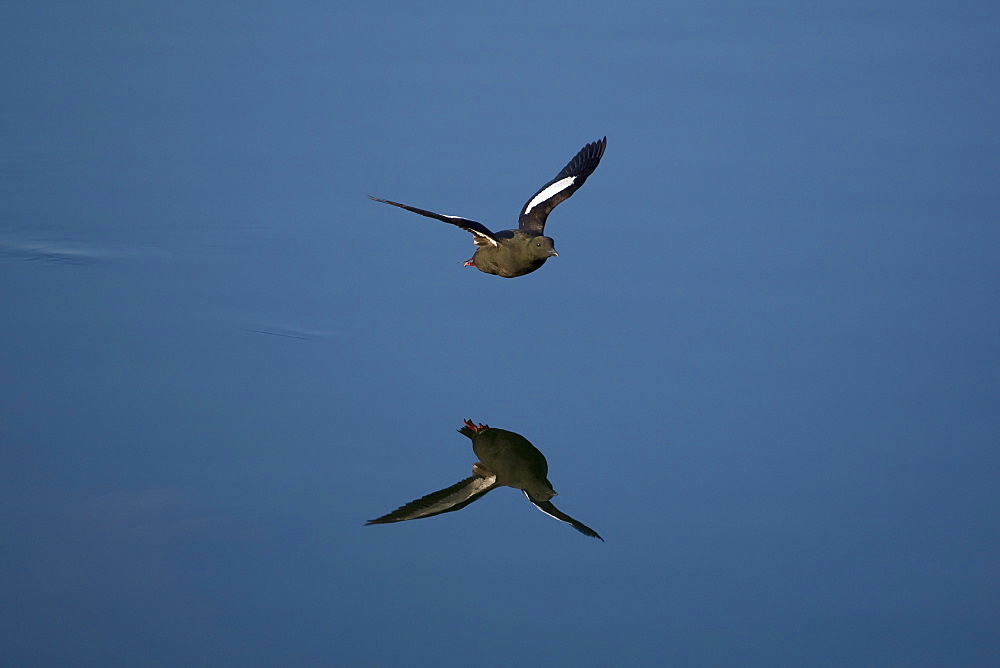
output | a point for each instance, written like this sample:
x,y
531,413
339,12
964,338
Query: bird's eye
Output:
x,y
538,243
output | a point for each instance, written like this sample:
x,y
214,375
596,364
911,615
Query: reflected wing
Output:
x,y
550,510
454,498
483,235
537,209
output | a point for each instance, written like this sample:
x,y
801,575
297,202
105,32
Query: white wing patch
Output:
x,y
552,190
482,239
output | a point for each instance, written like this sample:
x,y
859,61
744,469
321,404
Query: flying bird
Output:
x,y
511,253
506,459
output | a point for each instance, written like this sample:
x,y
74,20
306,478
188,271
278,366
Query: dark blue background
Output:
x,y
765,366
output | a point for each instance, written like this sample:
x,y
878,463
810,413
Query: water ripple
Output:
x,y
59,251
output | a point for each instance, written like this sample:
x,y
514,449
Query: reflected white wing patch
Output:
x,y
550,510
476,486
552,190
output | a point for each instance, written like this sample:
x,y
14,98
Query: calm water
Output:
x,y
764,366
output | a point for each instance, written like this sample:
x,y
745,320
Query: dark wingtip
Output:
x,y
385,519
600,145
587,531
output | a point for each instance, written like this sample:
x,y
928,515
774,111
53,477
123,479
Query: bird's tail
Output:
x,y
471,428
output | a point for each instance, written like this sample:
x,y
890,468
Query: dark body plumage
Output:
x,y
511,253
506,459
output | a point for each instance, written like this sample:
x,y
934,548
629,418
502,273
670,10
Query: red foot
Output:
x,y
474,427
469,263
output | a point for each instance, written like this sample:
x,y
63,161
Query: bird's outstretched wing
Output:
x,y
482,234
566,182
550,510
453,498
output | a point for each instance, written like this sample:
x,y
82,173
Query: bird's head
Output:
x,y
542,247
542,492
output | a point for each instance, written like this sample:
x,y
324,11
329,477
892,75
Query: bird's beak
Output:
x,y
552,253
